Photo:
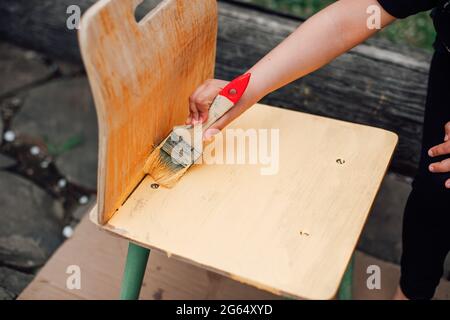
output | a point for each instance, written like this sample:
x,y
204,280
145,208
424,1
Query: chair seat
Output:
x,y
291,233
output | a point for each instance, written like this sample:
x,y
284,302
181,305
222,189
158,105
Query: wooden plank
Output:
x,y
291,233
378,83
141,76
101,259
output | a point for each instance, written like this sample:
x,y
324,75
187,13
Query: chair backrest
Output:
x,y
141,75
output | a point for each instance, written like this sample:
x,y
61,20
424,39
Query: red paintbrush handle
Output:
x,y
226,99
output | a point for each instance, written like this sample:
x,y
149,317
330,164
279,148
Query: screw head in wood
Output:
x,y
154,186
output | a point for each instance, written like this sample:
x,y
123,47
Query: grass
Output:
x,y
417,31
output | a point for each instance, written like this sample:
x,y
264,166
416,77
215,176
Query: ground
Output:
x,y
48,160
48,168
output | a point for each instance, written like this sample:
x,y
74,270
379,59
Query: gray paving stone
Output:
x,y
383,231
14,281
59,112
6,161
29,230
6,294
69,69
19,67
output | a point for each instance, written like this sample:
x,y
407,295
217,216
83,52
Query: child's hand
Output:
x,y
439,150
201,99
200,102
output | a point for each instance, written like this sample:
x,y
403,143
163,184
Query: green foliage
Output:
x,y
69,144
303,8
416,31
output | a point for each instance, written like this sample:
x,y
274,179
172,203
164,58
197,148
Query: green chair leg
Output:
x,y
345,290
134,272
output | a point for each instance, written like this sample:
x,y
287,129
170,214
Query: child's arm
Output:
x,y
326,35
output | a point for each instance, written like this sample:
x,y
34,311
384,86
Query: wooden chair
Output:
x,y
292,233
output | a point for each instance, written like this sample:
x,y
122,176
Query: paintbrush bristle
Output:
x,y
162,168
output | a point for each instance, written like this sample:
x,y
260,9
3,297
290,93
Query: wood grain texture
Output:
x,y
142,75
291,233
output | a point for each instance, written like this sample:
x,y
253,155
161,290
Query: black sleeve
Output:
x,y
404,8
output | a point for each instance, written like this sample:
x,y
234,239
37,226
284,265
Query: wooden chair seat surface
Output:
x,y
291,233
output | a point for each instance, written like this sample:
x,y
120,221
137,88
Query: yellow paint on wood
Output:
x,y
141,75
291,233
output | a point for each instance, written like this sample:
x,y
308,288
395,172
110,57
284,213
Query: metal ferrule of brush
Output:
x,y
179,146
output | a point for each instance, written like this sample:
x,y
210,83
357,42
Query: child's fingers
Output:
x,y
193,109
189,119
447,131
193,112
200,101
440,149
193,115
447,184
203,102
206,96
442,166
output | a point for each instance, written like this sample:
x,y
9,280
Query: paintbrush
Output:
x,y
170,160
